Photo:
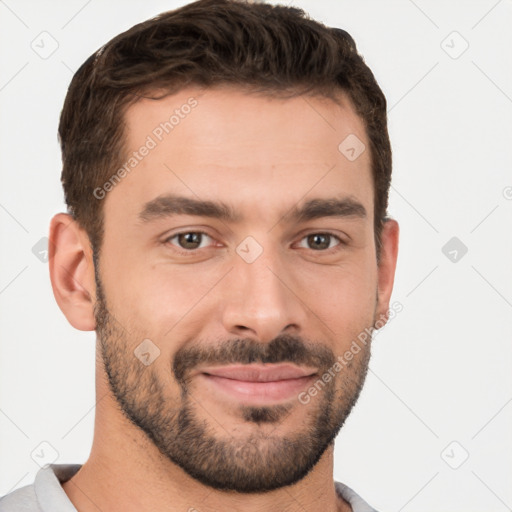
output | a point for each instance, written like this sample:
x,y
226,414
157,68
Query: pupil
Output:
x,y
318,241
190,240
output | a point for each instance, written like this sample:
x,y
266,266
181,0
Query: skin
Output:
x,y
263,157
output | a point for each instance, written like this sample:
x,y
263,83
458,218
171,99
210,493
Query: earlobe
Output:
x,y
72,271
386,268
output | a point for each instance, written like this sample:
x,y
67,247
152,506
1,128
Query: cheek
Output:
x,y
343,296
162,298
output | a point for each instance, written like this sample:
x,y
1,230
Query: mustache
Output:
x,y
282,349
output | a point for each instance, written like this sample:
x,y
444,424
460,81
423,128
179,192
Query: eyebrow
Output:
x,y
168,205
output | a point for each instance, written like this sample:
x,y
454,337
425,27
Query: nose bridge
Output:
x,y
260,301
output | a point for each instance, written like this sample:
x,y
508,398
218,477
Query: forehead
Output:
x,y
249,149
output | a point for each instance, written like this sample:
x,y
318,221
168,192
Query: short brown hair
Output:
x,y
270,49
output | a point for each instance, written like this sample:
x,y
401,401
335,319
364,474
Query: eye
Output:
x,y
190,240
320,241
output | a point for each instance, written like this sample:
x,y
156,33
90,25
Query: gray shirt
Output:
x,y
47,495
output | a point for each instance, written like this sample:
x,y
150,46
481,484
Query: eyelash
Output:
x,y
189,252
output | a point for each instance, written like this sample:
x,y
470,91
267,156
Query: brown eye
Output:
x,y
189,240
320,241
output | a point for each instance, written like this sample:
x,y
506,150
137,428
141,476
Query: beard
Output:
x,y
258,459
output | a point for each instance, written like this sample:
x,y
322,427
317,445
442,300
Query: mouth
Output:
x,y
257,383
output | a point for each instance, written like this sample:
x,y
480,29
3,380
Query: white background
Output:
x,y
441,370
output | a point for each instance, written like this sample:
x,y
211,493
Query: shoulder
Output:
x,y
45,494
20,500
356,502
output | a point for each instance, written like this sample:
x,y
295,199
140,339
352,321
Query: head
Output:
x,y
207,43
216,219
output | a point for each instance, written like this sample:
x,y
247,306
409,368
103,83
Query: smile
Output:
x,y
258,384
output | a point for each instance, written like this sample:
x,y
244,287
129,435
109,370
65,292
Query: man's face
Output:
x,y
286,281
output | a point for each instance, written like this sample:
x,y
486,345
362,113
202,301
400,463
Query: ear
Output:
x,y
386,268
72,271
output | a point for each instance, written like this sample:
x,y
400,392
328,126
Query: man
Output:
x,y
226,168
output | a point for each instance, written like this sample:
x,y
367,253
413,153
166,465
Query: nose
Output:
x,y
260,301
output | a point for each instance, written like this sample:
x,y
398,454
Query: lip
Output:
x,y
259,372
256,383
